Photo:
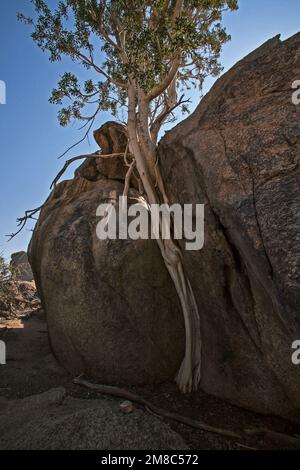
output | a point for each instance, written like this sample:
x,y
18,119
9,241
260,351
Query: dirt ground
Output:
x,y
32,369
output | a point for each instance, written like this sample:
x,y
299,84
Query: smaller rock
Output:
x,y
19,262
127,407
112,140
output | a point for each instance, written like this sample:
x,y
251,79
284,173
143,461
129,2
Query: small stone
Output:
x,y
127,406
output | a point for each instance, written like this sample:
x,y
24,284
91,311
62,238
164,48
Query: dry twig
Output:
x,y
21,221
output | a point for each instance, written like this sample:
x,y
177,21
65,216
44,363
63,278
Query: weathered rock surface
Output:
x,y
112,310
54,421
111,138
239,154
19,262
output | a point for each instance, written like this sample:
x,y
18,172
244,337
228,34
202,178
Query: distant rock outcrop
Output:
x,y
21,266
113,311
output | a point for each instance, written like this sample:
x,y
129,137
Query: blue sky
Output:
x,y
30,136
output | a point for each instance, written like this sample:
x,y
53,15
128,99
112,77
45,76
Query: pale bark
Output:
x,y
143,150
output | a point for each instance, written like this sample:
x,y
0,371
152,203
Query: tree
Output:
x,y
145,53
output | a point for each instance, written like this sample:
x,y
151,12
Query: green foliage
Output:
x,y
123,40
7,289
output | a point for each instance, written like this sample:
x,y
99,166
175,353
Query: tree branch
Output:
x,y
128,178
81,157
23,220
101,71
155,127
177,10
159,89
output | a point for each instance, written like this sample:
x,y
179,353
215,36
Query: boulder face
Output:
x,y
111,138
111,308
239,153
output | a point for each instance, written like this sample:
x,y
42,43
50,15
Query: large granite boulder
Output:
x,y
111,308
238,153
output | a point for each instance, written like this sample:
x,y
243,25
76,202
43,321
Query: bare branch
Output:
x,y
163,116
92,119
23,220
81,157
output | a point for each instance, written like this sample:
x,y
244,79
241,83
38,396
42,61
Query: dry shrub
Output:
x,y
16,297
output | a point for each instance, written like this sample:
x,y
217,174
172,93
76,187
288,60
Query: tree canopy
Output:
x,y
166,45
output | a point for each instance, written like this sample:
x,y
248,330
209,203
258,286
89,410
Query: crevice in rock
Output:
x,y
271,270
236,257
231,306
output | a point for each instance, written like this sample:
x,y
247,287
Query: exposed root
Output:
x,y
184,377
159,412
122,393
189,374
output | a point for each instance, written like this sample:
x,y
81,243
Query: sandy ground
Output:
x,y
32,369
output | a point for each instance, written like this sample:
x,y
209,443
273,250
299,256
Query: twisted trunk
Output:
x,y
143,150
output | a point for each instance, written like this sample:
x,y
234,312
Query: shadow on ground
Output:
x,y
41,407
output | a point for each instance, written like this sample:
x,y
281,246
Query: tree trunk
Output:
x,y
188,377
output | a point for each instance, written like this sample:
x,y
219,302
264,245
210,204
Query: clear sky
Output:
x,y
30,137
